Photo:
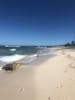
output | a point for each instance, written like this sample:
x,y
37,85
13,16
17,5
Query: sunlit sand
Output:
x,y
54,79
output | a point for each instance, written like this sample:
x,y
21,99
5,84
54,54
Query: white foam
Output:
x,y
29,58
12,49
35,55
0,68
12,58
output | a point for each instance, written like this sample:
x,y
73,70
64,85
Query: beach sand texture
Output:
x,y
53,79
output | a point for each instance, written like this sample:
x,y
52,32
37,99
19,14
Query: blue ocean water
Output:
x,y
25,54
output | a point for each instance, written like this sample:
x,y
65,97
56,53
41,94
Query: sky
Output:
x,y
37,22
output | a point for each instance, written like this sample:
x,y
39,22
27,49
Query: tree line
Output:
x,y
72,43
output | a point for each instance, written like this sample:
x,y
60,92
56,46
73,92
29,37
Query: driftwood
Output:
x,y
12,66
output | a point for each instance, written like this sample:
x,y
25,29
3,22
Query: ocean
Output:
x,y
23,54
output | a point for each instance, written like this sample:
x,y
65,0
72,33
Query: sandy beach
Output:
x,y
53,79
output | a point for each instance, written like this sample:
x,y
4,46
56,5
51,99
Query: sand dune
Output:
x,y
53,79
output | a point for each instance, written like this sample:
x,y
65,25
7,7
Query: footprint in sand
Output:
x,y
70,57
63,53
65,70
49,98
60,86
21,90
72,65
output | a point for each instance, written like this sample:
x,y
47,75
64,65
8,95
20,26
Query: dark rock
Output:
x,y
11,67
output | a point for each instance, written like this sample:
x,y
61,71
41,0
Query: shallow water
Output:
x,y
26,55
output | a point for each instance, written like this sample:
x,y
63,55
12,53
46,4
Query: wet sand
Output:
x,y
53,79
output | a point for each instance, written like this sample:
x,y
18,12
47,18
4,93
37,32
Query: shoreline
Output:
x,y
53,79
35,59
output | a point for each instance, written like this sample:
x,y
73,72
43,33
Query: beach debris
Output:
x,y
11,66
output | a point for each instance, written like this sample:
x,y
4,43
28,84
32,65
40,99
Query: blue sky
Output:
x,y
37,22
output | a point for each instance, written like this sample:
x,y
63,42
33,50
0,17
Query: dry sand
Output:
x,y
54,79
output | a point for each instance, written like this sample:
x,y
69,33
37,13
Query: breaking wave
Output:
x,y
11,58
